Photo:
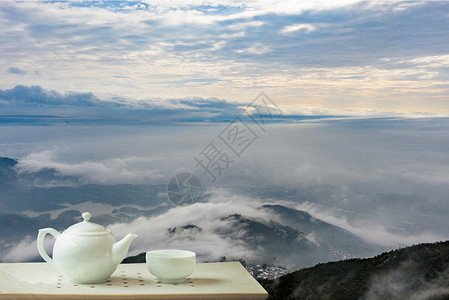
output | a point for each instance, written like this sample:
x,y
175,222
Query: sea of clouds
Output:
x,y
384,180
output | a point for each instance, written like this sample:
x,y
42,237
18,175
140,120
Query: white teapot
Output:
x,y
85,252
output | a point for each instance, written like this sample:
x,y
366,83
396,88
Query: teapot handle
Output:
x,y
40,242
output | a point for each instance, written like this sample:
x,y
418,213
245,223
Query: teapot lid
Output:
x,y
87,227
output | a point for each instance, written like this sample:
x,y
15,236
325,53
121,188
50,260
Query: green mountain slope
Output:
x,y
417,272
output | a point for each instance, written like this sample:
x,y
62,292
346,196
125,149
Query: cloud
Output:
x,y
383,179
207,242
256,49
259,7
34,104
14,70
401,283
114,171
307,28
38,106
243,25
74,44
373,233
37,95
25,250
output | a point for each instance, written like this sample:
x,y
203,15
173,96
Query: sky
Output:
x,y
334,57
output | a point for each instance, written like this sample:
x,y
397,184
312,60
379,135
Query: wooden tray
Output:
x,y
227,280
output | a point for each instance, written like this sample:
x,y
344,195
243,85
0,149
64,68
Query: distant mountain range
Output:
x,y
304,244
289,237
417,272
297,240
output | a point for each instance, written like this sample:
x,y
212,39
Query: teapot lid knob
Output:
x,y
85,227
86,216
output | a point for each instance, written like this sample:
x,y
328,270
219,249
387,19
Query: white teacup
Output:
x,y
171,266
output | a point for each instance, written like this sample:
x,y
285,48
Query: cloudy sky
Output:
x,y
333,56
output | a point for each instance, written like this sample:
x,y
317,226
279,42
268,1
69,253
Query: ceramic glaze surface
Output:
x,y
171,266
86,252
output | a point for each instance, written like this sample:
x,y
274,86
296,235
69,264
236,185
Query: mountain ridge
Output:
x,y
321,232
274,243
416,272
7,173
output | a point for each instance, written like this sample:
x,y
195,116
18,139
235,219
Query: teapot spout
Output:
x,y
120,248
